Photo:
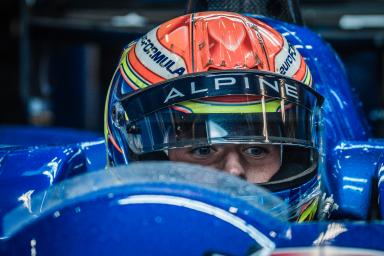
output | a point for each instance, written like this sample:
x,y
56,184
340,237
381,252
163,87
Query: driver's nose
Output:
x,y
232,164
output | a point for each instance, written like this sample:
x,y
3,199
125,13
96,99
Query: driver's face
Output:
x,y
255,163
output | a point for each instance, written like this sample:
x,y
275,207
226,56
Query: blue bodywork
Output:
x,y
352,171
33,159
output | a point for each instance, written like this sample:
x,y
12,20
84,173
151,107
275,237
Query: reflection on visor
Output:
x,y
173,129
226,107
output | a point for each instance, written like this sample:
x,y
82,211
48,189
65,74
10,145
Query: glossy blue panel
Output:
x,y
380,179
131,229
27,170
350,178
95,154
157,209
337,235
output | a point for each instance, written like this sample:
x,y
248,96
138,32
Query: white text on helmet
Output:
x,y
220,83
291,58
159,57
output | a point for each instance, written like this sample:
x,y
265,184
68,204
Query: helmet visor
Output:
x,y
169,128
218,108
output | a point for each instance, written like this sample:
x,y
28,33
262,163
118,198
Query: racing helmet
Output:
x,y
218,78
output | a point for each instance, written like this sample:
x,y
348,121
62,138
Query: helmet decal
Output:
x,y
290,63
177,48
163,61
308,210
130,75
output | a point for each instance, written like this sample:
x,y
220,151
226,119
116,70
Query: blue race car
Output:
x,y
186,89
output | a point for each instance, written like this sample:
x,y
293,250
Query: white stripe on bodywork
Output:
x,y
267,245
326,250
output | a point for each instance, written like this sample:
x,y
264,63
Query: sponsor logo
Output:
x,y
289,60
228,82
213,85
159,57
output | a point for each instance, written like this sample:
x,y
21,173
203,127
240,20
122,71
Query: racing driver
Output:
x,y
223,90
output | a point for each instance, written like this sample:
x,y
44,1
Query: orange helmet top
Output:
x,y
214,40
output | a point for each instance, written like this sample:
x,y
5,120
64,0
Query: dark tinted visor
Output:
x,y
240,107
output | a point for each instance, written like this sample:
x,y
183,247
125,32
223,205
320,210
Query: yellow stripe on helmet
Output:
x,y
308,77
209,108
131,75
309,212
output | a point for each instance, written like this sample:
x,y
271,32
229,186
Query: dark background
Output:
x,y
58,56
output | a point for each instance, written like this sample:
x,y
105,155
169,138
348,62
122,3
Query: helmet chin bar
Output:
x,y
299,166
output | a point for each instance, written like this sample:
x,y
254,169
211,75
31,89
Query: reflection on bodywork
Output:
x,y
26,199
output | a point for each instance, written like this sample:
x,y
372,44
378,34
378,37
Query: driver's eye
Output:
x,y
202,151
256,151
